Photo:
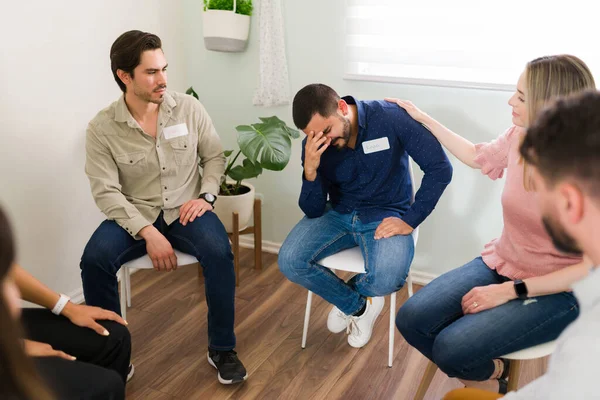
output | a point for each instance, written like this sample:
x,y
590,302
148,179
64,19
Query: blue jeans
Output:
x,y
205,238
387,261
464,346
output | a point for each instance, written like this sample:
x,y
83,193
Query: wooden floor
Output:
x,y
168,325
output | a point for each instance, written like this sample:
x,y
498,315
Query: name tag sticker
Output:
x,y
174,131
373,146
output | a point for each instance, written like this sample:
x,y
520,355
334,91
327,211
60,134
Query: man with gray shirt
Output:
x,y
142,155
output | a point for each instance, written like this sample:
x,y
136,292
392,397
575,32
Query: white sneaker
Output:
x,y
130,372
336,321
361,328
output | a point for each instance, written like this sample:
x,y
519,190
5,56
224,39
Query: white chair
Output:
x,y
143,262
515,360
351,260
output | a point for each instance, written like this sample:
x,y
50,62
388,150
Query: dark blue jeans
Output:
x,y
387,261
464,346
205,238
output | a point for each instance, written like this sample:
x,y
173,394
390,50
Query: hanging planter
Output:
x,y
226,24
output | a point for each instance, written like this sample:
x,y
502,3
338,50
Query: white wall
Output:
x,y
55,77
468,214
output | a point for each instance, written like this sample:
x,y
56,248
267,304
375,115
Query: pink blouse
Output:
x,y
524,249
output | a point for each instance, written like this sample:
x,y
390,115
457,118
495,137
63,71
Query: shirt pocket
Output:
x,y
184,152
132,163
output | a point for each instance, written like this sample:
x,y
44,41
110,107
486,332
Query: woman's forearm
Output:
x,y
460,147
558,281
33,290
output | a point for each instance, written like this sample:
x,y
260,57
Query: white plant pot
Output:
x,y
225,30
242,204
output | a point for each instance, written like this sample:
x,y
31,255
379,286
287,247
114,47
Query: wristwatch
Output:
x,y
60,304
521,289
208,197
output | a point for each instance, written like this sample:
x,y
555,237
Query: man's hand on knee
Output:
x,y
392,226
159,249
190,210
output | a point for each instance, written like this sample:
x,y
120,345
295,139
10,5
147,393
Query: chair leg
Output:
x,y
306,318
426,380
409,284
235,239
257,234
513,375
128,283
392,328
122,294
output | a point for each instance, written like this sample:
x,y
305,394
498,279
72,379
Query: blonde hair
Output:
x,y
547,79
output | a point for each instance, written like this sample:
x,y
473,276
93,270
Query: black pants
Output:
x,y
100,371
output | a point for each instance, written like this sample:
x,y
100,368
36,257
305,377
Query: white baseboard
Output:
x,y
77,295
247,242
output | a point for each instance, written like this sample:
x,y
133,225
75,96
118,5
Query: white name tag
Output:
x,y
174,131
373,146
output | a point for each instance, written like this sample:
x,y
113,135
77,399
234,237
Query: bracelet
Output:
x,y
60,304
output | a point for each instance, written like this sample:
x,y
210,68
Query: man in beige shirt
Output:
x,y
142,155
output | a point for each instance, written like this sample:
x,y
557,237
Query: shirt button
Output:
x,y
166,199
130,161
164,168
161,124
165,188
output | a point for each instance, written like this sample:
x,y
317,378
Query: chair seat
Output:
x,y
346,260
534,352
145,262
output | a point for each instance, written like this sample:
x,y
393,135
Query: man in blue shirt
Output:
x,y
357,191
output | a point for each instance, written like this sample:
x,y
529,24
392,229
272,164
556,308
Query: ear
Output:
x,y
343,107
125,77
572,202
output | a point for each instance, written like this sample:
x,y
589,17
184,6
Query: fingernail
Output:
x,y
73,358
126,323
105,333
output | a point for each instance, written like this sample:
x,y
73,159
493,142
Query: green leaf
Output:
x,y
192,92
227,153
267,143
243,7
247,170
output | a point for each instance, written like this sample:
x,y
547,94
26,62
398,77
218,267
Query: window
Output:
x,y
464,43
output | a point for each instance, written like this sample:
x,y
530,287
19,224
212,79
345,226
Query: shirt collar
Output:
x,y
122,113
360,109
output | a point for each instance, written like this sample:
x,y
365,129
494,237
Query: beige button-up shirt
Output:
x,y
134,176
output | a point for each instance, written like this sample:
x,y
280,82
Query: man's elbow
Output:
x,y
312,211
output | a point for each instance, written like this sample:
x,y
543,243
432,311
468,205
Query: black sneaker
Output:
x,y
231,370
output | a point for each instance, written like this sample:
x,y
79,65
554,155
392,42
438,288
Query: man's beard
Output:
x,y
345,134
561,239
147,96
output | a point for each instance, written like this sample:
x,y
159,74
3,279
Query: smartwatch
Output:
x,y
208,197
521,289
60,304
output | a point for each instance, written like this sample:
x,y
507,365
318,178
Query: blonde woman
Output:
x,y
516,294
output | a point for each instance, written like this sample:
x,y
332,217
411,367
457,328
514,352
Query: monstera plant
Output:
x,y
263,145
266,145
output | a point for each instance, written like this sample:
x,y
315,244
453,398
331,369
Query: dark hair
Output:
x,y
18,378
313,99
126,52
565,141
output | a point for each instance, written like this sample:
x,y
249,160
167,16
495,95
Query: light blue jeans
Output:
x,y
387,261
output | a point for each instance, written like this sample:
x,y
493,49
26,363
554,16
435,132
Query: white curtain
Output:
x,y
273,81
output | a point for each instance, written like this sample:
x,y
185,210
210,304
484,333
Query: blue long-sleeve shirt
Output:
x,y
377,185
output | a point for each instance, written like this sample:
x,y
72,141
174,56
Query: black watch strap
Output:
x,y
208,197
521,289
